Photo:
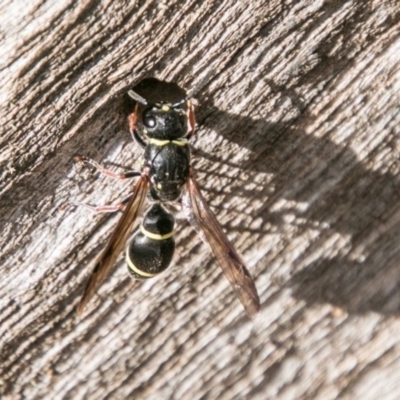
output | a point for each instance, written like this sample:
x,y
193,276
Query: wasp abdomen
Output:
x,y
152,246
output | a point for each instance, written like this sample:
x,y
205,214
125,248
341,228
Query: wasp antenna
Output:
x,y
133,95
180,102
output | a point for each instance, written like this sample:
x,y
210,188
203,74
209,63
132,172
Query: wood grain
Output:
x,y
297,151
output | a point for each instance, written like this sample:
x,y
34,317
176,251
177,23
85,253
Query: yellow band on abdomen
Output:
x,y
136,270
155,236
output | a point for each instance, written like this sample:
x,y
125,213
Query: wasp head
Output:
x,y
162,121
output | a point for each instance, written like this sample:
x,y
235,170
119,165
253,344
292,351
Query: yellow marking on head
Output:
x,y
145,131
159,186
165,107
155,236
158,142
135,269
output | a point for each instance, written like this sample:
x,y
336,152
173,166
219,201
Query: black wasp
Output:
x,y
163,128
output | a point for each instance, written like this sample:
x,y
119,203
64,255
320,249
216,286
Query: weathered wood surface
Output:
x,y
298,153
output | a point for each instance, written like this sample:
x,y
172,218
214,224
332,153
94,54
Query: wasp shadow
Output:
x,y
341,194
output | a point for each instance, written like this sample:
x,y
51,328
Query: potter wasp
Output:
x,y
163,128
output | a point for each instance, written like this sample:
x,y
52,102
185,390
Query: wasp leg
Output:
x,y
191,119
103,209
104,171
132,128
138,139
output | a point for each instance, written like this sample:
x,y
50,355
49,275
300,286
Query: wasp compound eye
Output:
x,y
149,121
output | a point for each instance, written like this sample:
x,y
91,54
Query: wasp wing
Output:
x,y
108,257
204,221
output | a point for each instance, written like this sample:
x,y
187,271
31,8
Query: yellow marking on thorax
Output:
x,y
180,142
136,270
155,236
160,143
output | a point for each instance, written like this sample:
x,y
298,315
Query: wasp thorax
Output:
x,y
163,122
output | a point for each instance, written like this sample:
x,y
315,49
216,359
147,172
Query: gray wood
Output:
x,y
298,153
